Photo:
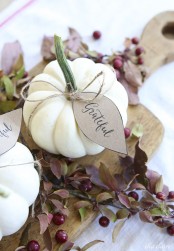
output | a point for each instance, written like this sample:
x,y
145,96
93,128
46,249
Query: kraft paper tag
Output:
x,y
10,124
100,121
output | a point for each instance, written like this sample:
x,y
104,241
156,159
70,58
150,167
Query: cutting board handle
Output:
x,y
158,41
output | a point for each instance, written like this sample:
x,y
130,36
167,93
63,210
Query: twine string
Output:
x,y
70,95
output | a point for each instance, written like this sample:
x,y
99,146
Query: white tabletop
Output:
x,y
29,20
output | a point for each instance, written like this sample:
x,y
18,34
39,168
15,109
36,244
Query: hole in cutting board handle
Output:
x,y
168,30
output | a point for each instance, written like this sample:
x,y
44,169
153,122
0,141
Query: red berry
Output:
x,y
140,60
133,195
170,230
171,195
104,221
96,35
139,51
135,40
127,132
33,246
25,74
160,196
119,58
58,219
118,64
86,186
61,236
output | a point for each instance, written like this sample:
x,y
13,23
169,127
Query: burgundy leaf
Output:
x,y
107,178
44,221
63,193
93,172
47,240
124,199
132,74
60,207
55,166
146,216
132,92
73,42
120,182
9,56
46,48
47,186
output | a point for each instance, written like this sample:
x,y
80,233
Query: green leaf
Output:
x,y
137,130
8,85
156,211
7,106
108,213
90,244
117,230
103,196
159,185
122,213
82,212
20,73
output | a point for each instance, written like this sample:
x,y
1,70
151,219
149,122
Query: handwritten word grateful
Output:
x,y
98,118
4,132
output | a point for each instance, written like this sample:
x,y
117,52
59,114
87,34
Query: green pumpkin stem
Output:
x,y
63,63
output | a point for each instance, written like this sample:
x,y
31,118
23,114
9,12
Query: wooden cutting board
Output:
x,y
159,46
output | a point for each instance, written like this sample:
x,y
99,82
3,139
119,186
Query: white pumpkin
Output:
x,y
52,124
19,187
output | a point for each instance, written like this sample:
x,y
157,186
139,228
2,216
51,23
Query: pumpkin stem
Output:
x,y
63,63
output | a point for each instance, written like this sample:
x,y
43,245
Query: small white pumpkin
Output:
x,y
52,124
19,187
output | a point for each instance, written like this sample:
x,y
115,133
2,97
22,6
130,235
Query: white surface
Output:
x,y
116,19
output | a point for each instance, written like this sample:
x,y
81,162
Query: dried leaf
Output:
x,y
82,204
63,193
93,172
108,213
46,48
137,186
90,244
103,196
159,185
122,213
107,178
10,54
117,230
24,237
146,216
132,74
47,240
66,246
137,131
124,199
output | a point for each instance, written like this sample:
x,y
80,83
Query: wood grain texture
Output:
x,y
159,47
